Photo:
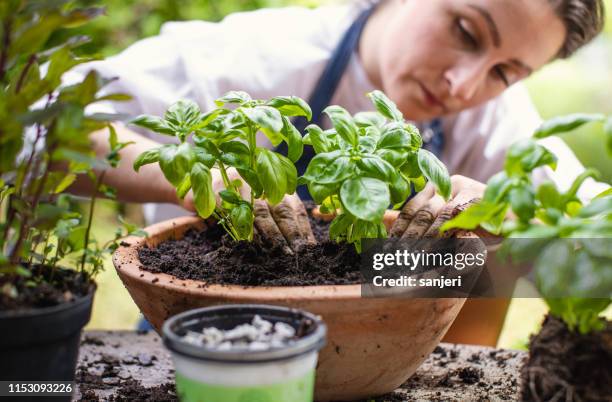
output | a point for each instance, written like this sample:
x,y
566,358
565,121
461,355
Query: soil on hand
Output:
x,y
251,264
45,287
566,366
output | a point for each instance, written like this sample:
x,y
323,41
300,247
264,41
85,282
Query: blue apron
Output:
x,y
433,138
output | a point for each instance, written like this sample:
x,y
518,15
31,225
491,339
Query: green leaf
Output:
x,y
66,181
183,115
376,167
474,216
176,161
293,137
230,196
317,138
240,97
343,123
339,227
571,193
147,157
252,179
319,192
365,198
266,117
526,155
203,156
435,172
369,119
563,124
153,123
203,194
235,153
277,175
385,106
330,167
291,106
400,189
497,188
242,219
395,137
184,187
596,207
608,133
522,201
549,196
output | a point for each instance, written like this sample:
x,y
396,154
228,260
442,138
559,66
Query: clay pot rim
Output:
x,y
125,259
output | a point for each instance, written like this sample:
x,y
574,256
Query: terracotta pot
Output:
x,y
374,344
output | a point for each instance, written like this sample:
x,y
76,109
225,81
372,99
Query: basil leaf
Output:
x,y
183,115
596,207
522,202
291,106
608,133
184,187
330,167
230,196
474,216
251,178
526,155
203,156
145,158
339,227
277,175
563,124
264,116
242,219
203,194
153,123
571,193
317,138
376,167
295,147
400,189
343,123
368,119
236,154
435,172
497,188
549,196
240,97
176,161
385,106
394,136
365,198
320,192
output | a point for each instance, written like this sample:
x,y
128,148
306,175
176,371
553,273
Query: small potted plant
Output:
x,y
187,263
568,243
44,306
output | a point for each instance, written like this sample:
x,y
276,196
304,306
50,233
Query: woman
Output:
x,y
450,65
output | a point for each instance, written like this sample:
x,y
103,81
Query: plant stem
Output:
x,y
5,47
24,72
92,204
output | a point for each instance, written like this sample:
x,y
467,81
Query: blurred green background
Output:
x,y
583,83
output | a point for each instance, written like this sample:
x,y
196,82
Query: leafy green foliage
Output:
x,y
225,138
42,125
567,239
364,164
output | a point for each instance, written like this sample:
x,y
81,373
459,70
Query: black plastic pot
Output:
x,y
42,344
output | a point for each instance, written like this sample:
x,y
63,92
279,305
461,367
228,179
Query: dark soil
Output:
x,y
251,264
566,366
44,288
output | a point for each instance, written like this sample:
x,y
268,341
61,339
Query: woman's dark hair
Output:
x,y
583,20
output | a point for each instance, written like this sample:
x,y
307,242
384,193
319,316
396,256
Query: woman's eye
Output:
x,y
499,71
466,35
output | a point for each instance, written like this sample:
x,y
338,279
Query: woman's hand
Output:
x,y
427,211
285,224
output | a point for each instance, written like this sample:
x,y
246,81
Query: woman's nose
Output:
x,y
464,79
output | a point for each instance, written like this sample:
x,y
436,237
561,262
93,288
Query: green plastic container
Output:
x,y
280,374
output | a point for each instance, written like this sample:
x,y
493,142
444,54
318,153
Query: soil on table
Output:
x,y
566,366
45,287
250,263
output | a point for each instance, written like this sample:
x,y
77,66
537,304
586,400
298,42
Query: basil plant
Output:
x,y
565,238
366,163
226,137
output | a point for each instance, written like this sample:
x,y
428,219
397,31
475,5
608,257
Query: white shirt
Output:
x,y
283,51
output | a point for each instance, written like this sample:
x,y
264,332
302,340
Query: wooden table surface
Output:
x,y
116,365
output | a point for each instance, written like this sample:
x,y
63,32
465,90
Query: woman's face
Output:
x,y
442,56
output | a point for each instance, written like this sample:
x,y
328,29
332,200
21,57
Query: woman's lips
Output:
x,y
431,100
